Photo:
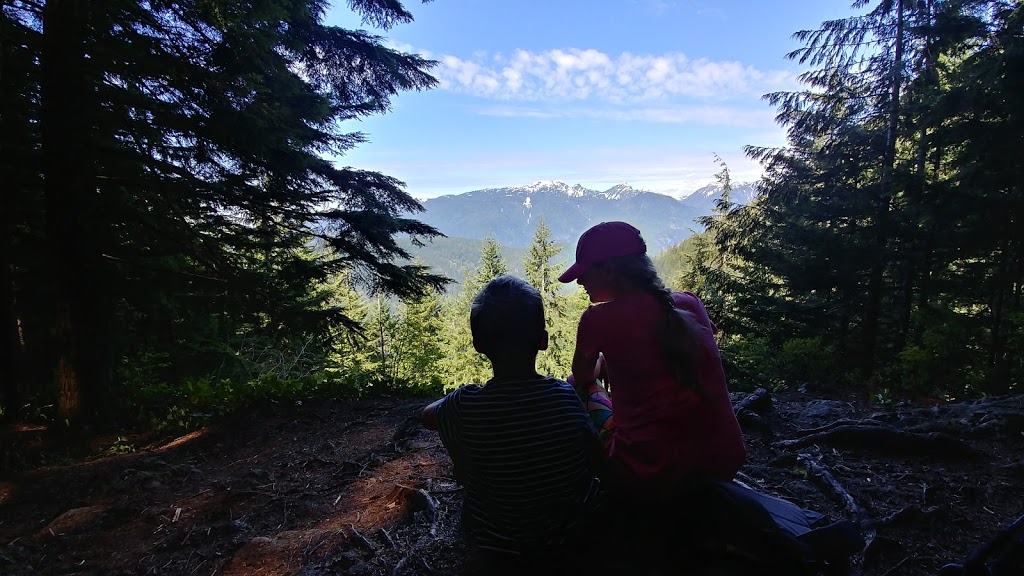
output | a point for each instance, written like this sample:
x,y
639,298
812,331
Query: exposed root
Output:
x,y
842,422
884,439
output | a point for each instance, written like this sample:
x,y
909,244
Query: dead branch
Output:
x,y
825,481
421,500
911,512
388,539
448,490
894,568
838,423
310,547
882,438
821,476
363,540
397,571
904,513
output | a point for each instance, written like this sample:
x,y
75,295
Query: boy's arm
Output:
x,y
429,415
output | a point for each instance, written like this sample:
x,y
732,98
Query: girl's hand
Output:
x,y
600,370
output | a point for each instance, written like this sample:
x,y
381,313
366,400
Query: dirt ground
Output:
x,y
335,487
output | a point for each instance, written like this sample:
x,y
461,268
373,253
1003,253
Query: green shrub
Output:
x,y
807,360
195,401
750,362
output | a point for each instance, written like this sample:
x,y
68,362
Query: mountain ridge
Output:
x,y
510,214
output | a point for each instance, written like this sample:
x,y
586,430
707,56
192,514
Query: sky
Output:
x,y
595,92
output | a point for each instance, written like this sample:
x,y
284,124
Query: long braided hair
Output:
x,y
677,331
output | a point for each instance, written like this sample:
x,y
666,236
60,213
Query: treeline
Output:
x,y
886,246
424,344
173,236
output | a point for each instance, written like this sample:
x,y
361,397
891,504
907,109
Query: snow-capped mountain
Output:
x,y
621,192
511,213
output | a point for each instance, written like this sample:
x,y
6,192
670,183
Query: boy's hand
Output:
x,y
429,415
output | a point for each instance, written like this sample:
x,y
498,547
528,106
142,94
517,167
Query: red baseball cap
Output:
x,y
601,242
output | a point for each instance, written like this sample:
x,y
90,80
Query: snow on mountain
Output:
x,y
621,191
511,213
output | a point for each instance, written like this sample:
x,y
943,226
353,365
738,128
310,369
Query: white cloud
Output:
x,y
578,75
698,114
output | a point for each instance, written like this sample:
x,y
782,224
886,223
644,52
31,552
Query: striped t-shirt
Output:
x,y
523,450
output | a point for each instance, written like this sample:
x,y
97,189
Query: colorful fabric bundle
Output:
x,y
599,406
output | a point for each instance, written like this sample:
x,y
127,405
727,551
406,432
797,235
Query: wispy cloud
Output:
x,y
578,75
698,114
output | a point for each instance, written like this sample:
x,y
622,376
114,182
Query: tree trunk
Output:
x,y
10,342
68,187
996,357
873,307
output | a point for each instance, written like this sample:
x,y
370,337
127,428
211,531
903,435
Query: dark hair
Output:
x,y
677,331
507,317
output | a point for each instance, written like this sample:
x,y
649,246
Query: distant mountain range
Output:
x,y
511,214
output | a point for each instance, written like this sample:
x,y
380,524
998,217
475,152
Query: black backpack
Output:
x,y
717,527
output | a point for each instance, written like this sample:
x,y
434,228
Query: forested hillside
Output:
x,y
456,258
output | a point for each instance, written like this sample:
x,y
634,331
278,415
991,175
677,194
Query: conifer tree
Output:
x,y
383,326
542,273
350,355
420,342
462,364
492,264
709,268
177,139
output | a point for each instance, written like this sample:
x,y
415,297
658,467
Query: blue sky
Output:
x,y
593,92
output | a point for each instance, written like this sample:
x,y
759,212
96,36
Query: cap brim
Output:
x,y
571,274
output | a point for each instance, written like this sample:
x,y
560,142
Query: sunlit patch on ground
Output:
x,y
72,521
181,440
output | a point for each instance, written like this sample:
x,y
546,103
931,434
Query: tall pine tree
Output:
x,y
542,273
180,140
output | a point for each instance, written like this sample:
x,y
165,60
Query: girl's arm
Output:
x,y
587,361
585,368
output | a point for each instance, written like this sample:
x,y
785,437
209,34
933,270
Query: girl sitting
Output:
x,y
673,419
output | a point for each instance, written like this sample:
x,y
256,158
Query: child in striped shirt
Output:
x,y
522,445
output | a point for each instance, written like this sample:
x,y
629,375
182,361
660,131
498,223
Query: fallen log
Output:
x,y
884,439
826,482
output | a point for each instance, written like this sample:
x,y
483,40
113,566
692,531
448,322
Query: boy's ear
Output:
x,y
543,344
477,346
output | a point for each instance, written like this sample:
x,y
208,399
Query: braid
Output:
x,y
677,334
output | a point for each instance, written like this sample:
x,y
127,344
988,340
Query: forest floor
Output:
x,y
336,487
